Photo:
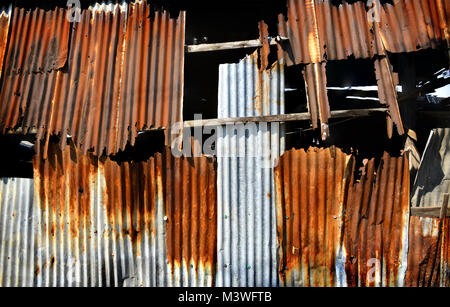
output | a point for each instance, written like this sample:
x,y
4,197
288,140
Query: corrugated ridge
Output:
x,y
5,20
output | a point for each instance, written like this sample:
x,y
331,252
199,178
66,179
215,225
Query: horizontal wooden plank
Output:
x,y
428,211
253,43
279,118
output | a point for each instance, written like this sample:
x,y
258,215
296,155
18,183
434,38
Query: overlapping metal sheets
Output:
x,y
319,30
93,222
93,90
246,154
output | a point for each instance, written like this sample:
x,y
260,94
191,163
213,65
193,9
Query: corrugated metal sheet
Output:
x,y
38,48
246,242
387,82
96,223
100,98
316,93
17,230
5,19
318,30
310,191
424,252
376,224
433,176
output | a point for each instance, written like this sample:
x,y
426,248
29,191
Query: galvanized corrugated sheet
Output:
x,y
387,82
310,198
5,19
92,222
376,224
99,98
318,30
17,259
316,93
433,176
246,233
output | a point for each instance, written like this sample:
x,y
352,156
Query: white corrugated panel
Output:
x,y
246,154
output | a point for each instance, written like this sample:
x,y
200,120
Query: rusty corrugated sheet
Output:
x,y
376,224
246,154
424,252
310,189
93,222
100,97
318,30
37,50
387,82
317,96
5,19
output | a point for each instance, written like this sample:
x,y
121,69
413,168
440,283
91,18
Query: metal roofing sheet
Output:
x,y
246,233
92,222
376,224
310,190
433,176
318,30
99,98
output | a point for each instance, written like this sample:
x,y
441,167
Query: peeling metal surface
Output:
x,y
319,30
376,224
17,259
99,98
92,222
310,190
246,233
433,176
317,96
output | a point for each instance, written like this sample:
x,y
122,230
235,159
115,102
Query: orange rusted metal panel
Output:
x,y
387,82
317,96
376,224
310,189
150,223
318,30
123,73
424,252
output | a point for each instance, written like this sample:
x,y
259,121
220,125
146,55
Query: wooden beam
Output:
x,y
437,212
279,118
253,43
